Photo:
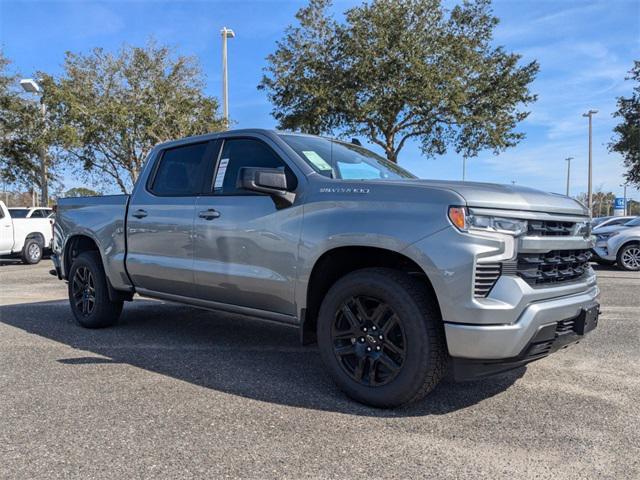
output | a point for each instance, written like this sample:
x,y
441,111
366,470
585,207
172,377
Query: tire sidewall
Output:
x,y
102,313
26,257
412,375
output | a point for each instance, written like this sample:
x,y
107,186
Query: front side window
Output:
x,y
245,152
180,171
341,160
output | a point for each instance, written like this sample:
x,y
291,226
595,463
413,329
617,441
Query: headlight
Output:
x,y
467,222
607,236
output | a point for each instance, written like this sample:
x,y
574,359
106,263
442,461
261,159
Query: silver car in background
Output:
x,y
619,244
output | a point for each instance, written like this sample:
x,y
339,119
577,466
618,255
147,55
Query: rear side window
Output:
x,y
245,152
37,214
19,212
180,171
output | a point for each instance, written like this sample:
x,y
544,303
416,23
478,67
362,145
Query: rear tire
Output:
x,y
381,337
629,257
32,251
89,293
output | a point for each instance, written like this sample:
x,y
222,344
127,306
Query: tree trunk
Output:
x,y
390,148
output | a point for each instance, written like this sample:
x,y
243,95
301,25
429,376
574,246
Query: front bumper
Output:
x,y
544,327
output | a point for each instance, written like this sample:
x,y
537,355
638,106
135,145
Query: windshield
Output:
x,y
19,212
597,221
344,161
633,223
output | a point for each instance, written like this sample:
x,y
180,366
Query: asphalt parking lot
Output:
x,y
176,392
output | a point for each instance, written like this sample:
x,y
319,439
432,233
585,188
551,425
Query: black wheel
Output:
x,y
629,257
381,337
89,295
32,251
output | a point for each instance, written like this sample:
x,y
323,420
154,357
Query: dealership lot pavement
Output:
x,y
175,392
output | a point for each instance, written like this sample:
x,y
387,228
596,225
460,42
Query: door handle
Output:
x,y
209,214
140,213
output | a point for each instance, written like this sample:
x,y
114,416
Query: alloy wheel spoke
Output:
x,y
388,325
378,314
393,348
344,335
360,310
389,363
345,350
359,371
351,318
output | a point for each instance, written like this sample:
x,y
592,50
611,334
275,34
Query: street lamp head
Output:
x,y
30,85
227,32
568,159
589,113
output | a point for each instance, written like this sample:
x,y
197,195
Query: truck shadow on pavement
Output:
x,y
227,353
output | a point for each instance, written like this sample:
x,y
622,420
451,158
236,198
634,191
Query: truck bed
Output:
x,y
102,219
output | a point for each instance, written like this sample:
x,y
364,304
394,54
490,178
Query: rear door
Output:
x,y
160,220
246,247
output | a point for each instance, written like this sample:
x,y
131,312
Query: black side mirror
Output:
x,y
272,181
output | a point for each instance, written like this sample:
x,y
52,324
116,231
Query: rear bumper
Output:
x,y
509,342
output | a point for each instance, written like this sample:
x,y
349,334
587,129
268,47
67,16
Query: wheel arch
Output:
x,y
77,244
340,261
39,237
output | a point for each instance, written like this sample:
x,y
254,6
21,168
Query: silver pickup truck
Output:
x,y
399,280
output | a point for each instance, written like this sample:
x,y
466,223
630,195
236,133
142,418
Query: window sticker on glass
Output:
x,y
317,160
222,170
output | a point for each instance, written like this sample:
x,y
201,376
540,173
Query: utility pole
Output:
x,y
226,33
625,198
29,85
590,114
464,168
568,160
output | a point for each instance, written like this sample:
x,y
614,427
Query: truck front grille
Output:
x,y
544,228
552,267
486,277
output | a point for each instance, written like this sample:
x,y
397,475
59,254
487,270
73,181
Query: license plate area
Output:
x,y
587,320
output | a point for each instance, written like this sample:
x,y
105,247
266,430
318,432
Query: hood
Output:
x,y
612,228
511,197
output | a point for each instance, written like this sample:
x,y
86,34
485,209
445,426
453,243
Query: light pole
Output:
x,y
590,114
29,85
226,33
568,160
625,198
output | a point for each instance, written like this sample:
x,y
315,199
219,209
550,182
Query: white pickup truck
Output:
x,y
27,236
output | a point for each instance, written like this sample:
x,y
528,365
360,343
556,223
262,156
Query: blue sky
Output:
x,y
584,49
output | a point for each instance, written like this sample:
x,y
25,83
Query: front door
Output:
x,y
246,248
6,233
160,220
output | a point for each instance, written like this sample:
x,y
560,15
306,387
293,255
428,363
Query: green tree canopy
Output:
x,y
111,109
25,140
400,69
81,192
627,133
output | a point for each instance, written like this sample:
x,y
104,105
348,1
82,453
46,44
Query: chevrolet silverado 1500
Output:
x,y
398,280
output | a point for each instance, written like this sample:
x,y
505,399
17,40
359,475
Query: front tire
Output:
x,y
629,257
89,293
381,338
32,251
